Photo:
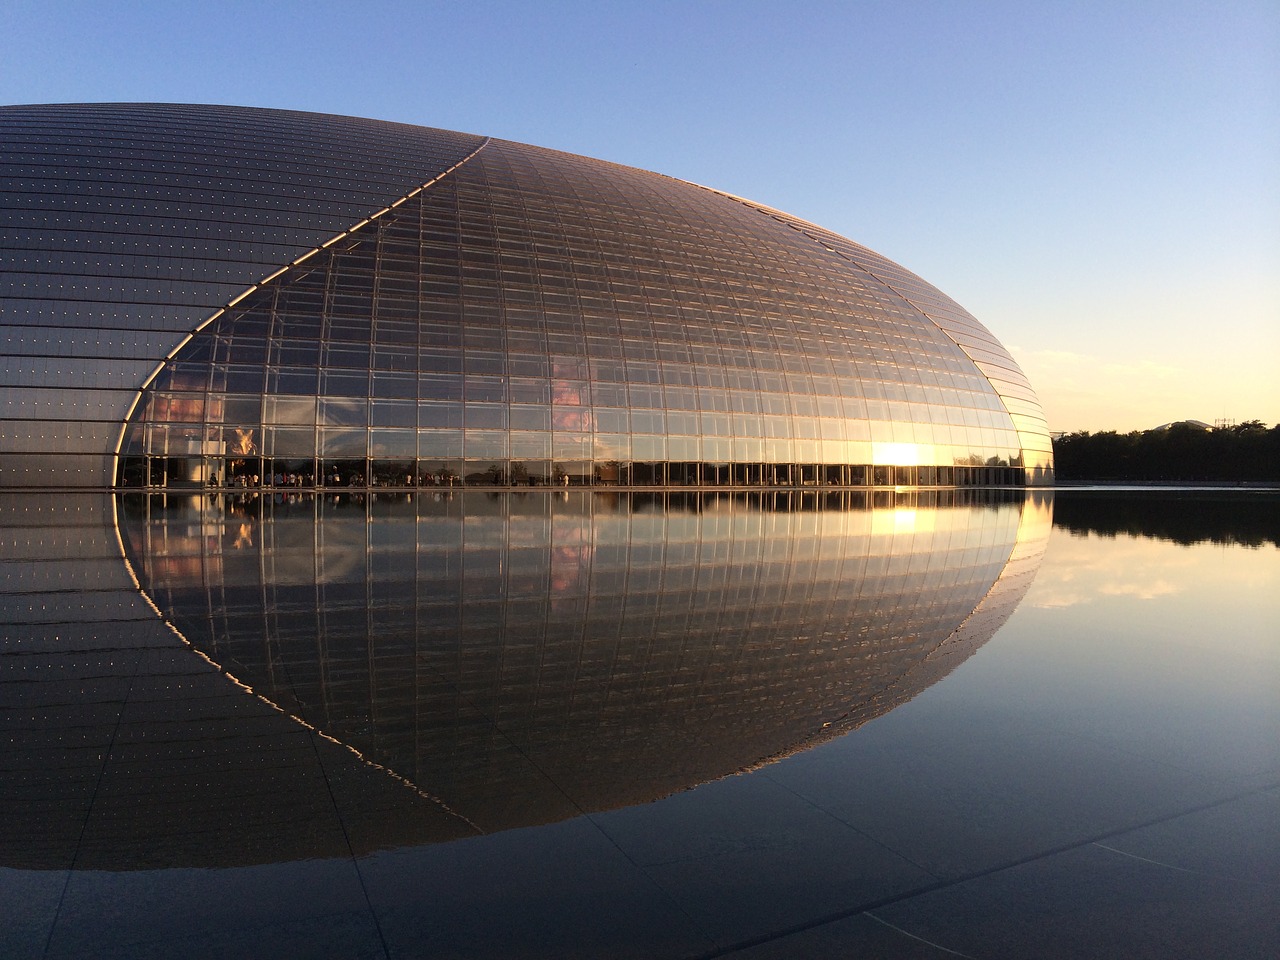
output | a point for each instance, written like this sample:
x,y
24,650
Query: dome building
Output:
x,y
202,295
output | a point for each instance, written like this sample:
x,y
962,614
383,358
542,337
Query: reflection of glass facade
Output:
x,y
464,311
439,665
523,657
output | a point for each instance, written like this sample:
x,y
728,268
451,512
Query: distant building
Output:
x,y
1194,424
197,295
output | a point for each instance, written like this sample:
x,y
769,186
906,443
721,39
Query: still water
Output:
x,y
656,725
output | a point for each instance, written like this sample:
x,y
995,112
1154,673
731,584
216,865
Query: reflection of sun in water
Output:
x,y
897,521
902,521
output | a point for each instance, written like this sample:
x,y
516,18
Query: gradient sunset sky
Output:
x,y
1097,182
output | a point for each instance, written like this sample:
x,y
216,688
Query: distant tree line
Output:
x,y
1248,451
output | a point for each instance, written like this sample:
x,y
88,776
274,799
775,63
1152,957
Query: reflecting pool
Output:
x,y
568,723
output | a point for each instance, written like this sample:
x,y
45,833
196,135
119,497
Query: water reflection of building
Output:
x,y
465,663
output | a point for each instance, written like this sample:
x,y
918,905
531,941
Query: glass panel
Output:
x,y
338,442
600,302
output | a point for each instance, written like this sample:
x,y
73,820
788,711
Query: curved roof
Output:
x,y
129,228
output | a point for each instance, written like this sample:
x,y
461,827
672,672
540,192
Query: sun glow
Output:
x,y
895,454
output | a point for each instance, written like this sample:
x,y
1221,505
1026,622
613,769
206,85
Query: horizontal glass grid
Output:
x,y
533,317
537,319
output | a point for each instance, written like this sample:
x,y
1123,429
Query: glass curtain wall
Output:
x,y
538,319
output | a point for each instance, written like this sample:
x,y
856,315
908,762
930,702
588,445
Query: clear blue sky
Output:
x,y
1098,182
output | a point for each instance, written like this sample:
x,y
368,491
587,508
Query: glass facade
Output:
x,y
508,315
